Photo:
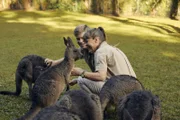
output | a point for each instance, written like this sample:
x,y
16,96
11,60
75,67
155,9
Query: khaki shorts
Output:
x,y
89,85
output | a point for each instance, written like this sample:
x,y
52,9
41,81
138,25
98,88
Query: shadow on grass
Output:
x,y
67,21
38,21
177,29
15,15
151,25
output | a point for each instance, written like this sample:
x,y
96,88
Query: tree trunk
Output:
x,y
3,4
27,4
96,6
137,6
40,5
174,9
115,7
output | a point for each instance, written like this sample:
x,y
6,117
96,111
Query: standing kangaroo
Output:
x,y
50,84
28,69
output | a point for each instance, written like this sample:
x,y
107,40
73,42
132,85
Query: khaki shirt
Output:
x,y
113,60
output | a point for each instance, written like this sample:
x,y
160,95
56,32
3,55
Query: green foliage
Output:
x,y
159,7
145,7
151,44
68,5
125,7
140,7
164,8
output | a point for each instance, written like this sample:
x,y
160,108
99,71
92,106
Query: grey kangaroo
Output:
x,y
73,105
139,105
51,83
115,88
28,69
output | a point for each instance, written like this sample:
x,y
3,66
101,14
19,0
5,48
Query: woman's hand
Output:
x,y
76,71
48,61
73,82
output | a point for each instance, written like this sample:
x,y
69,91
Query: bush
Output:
x,y
68,5
145,7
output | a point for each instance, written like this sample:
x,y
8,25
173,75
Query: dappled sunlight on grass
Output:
x,y
49,22
144,28
9,15
96,19
170,54
141,32
49,19
157,20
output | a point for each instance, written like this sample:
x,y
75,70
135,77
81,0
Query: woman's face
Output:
x,y
80,41
92,44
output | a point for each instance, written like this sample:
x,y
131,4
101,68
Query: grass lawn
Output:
x,y
151,44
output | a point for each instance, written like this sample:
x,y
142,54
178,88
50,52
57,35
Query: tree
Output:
x,y
96,6
115,7
27,4
3,4
174,9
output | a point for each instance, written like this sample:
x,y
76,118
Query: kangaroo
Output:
x,y
73,105
115,88
51,83
28,69
139,105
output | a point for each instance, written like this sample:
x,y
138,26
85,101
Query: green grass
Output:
x,y
151,44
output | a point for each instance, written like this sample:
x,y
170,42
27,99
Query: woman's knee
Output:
x,y
84,87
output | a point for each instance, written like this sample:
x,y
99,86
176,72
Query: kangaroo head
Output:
x,y
71,50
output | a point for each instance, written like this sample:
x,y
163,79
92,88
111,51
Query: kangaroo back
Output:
x,y
116,87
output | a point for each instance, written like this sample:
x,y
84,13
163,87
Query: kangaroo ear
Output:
x,y
65,41
70,41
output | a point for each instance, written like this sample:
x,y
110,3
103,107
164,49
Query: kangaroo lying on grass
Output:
x,y
139,105
50,84
73,105
28,69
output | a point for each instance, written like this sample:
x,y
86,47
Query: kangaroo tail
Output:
x,y
31,113
7,93
18,87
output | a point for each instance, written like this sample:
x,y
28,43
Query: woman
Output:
x,y
108,61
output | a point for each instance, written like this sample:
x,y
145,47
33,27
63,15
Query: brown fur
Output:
x,y
28,69
77,104
51,83
139,105
116,87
